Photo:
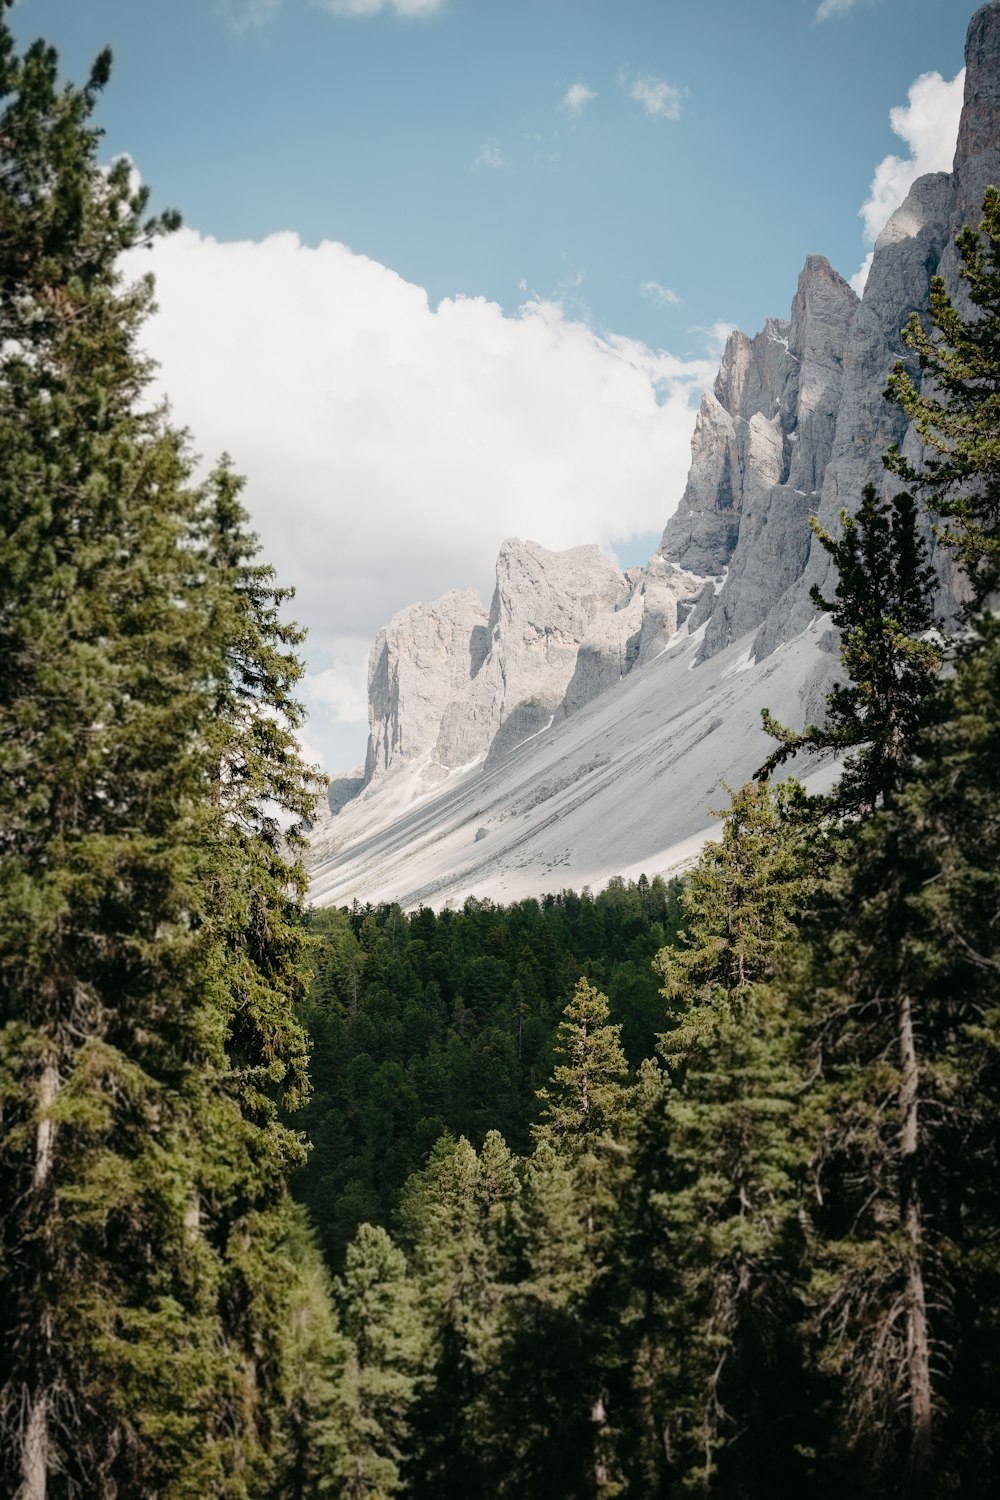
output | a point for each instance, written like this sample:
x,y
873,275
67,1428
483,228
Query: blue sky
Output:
x,y
586,190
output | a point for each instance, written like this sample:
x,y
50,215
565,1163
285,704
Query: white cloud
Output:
x,y
338,688
829,8
490,154
658,98
928,124
248,15
375,7
860,278
391,446
660,296
719,336
576,98
333,692
716,336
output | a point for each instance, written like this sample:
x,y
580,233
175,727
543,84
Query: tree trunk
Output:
x,y
918,1369
35,1439
48,1089
35,1451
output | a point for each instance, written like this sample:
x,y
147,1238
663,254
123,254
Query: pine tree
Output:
x,y
898,997
584,1117
384,1347
956,408
713,1235
551,1355
953,812
584,1106
883,608
905,1168
149,930
457,1217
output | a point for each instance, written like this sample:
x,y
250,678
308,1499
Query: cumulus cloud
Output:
x,y
333,692
490,154
338,689
248,15
659,295
660,100
374,7
829,8
928,124
390,446
576,98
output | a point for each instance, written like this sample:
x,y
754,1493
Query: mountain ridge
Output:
x,y
575,655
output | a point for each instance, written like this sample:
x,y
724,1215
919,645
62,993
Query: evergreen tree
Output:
x,y
457,1217
713,1239
584,1105
384,1348
584,1117
552,1355
905,1210
953,812
886,1031
149,931
882,607
956,407
900,994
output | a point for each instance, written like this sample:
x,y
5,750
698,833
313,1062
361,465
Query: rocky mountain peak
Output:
x,y
979,131
450,685
761,444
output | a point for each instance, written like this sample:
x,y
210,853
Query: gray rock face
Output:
x,y
754,381
640,626
759,452
977,154
831,410
916,244
422,659
907,254
823,442
542,607
344,789
449,685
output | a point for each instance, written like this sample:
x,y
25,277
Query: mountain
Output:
x,y
587,724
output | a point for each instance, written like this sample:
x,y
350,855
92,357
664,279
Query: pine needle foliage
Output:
x,y
883,608
721,1154
955,406
150,935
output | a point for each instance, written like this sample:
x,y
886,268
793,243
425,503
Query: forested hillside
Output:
x,y
429,1022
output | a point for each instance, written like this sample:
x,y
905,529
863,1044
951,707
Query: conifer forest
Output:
x,y
680,1189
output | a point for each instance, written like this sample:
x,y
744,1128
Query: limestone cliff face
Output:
x,y
916,245
542,606
759,452
423,657
449,684
908,253
733,448
977,154
797,424
654,603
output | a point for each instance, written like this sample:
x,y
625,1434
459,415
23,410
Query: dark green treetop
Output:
x,y
956,406
883,607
